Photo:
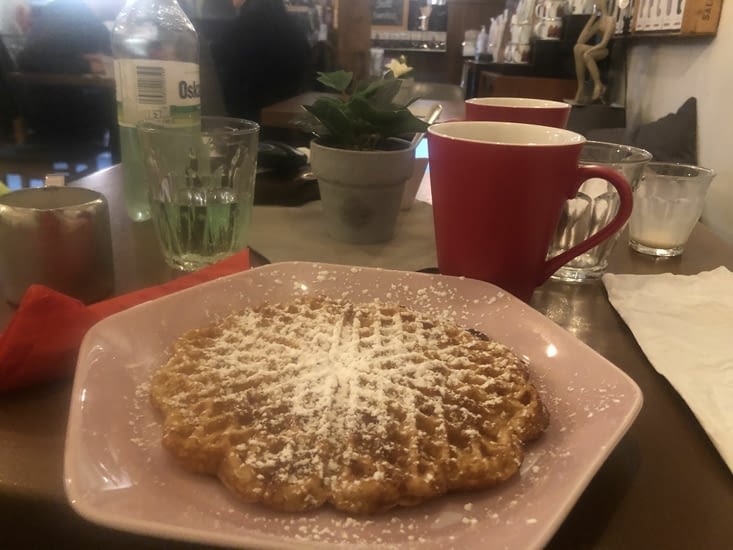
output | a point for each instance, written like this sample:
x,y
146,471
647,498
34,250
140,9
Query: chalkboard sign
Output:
x,y
390,13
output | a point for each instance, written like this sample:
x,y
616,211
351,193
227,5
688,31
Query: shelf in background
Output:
x,y
699,18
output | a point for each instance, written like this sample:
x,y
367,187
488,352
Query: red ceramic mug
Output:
x,y
518,109
498,191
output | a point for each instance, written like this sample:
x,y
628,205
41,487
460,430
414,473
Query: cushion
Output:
x,y
672,138
624,136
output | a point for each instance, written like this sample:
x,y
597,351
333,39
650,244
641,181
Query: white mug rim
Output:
x,y
50,199
512,134
518,102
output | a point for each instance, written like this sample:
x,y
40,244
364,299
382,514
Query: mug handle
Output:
x,y
624,211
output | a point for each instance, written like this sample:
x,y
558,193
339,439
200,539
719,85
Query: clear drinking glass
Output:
x,y
596,203
667,204
201,186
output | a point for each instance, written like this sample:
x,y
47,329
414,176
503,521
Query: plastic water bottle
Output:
x,y
156,53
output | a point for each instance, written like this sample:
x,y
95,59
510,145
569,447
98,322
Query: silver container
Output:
x,y
59,237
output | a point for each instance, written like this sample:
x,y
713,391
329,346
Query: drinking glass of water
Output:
x,y
594,206
200,180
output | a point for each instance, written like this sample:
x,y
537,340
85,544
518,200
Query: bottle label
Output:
x,y
153,89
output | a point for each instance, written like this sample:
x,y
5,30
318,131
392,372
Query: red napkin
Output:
x,y
43,337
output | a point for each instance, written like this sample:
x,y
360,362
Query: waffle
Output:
x,y
361,406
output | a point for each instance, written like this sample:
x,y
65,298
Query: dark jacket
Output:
x,y
60,34
262,57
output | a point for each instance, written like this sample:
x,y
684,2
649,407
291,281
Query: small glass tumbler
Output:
x,y
667,204
596,203
200,180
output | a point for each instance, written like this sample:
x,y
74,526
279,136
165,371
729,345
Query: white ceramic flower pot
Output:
x,y
361,191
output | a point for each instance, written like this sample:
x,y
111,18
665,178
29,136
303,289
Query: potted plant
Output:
x,y
362,153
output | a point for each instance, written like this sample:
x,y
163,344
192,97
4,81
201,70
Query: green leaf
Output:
x,y
386,123
333,115
372,113
404,123
365,88
385,94
307,122
336,80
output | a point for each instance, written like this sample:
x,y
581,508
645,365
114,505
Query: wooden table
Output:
x,y
663,486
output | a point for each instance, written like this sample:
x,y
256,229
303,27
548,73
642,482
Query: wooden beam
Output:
x,y
353,36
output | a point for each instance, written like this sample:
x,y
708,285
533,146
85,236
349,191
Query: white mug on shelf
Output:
x,y
516,53
548,29
550,9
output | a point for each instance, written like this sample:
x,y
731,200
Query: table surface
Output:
x,y
663,486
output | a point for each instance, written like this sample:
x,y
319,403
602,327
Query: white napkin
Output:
x,y
684,325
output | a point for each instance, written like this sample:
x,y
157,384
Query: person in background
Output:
x,y
15,18
107,10
66,36
14,23
262,57
61,36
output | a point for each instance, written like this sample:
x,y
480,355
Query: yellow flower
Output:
x,y
398,67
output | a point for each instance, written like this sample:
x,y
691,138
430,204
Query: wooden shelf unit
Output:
x,y
500,85
699,18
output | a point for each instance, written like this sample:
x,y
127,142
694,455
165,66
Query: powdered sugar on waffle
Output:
x,y
581,394
364,406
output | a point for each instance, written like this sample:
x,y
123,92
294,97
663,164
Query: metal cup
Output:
x,y
59,237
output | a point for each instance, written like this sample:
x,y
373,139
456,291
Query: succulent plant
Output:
x,y
366,118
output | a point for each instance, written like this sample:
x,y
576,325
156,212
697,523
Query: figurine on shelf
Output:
x,y
592,47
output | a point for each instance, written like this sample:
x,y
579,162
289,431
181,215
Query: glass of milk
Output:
x,y
668,203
